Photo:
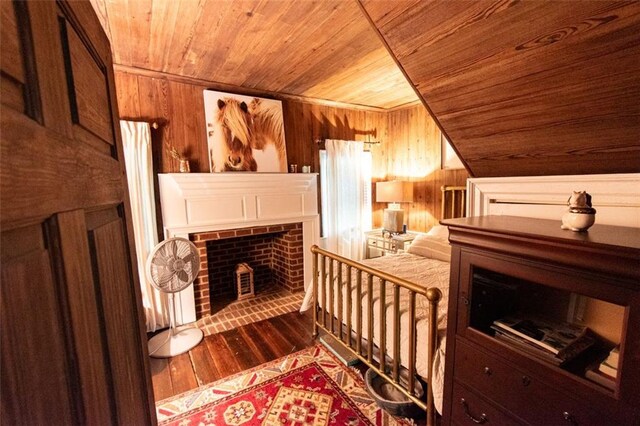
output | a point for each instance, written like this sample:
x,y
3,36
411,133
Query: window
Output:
x,y
366,173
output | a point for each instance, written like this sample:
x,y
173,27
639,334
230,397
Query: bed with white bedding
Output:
x,y
423,271
426,265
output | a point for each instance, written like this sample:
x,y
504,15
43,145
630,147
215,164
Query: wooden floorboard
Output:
x,y
256,342
162,387
183,377
203,365
241,352
224,354
290,328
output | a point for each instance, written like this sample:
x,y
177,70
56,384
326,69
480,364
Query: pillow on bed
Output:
x,y
439,231
433,245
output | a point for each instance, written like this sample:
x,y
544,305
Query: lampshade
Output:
x,y
394,191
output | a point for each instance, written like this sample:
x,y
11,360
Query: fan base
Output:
x,y
167,344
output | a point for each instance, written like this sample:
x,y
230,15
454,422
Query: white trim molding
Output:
x,y
616,197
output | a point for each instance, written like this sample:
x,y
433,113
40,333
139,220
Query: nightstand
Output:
x,y
380,243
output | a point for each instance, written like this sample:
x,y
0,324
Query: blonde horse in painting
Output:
x,y
268,132
247,138
231,149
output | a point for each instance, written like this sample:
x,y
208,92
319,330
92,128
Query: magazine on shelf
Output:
x,y
601,379
526,346
614,357
608,369
554,336
572,351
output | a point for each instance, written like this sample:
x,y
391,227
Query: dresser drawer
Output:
x,y
522,394
470,409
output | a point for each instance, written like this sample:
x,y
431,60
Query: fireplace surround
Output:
x,y
275,252
233,204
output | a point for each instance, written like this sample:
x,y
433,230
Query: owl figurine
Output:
x,y
581,215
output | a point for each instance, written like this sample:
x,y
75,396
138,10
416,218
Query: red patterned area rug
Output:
x,y
310,387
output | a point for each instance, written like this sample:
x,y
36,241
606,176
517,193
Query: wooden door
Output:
x,y
73,344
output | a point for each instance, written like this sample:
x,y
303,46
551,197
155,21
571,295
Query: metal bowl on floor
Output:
x,y
391,399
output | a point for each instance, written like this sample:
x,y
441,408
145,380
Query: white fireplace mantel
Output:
x,y
204,202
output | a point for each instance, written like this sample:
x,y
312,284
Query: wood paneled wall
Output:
x,y
178,108
412,152
409,148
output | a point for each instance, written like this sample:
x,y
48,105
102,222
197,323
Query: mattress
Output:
x,y
425,273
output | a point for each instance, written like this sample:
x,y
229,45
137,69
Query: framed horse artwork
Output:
x,y
244,133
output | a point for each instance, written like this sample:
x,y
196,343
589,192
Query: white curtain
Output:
x,y
136,140
346,202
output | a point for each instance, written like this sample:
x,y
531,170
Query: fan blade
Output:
x,y
183,276
174,248
163,278
188,258
159,261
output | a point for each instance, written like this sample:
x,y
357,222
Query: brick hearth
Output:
x,y
274,252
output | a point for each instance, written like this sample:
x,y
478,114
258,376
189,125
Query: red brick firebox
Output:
x,y
274,252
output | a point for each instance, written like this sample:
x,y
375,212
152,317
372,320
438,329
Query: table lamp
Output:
x,y
394,192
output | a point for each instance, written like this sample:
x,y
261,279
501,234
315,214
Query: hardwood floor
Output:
x,y
223,354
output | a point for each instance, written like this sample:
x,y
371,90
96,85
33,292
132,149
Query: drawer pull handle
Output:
x,y
487,371
568,417
483,417
526,381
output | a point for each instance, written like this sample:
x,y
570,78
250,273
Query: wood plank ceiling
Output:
x,y
322,49
519,88
524,88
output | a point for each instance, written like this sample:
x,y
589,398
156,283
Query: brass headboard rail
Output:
x,y
457,199
323,285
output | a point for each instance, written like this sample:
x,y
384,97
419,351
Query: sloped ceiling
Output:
x,y
316,49
524,88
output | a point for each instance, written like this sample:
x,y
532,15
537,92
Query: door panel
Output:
x,y
18,72
11,59
69,238
46,56
73,342
111,268
88,88
32,338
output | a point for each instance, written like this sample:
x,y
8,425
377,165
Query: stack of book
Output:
x,y
607,370
548,340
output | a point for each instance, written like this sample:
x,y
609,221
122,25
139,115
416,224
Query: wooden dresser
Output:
x,y
536,267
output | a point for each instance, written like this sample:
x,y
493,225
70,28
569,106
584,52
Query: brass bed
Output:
x,y
330,316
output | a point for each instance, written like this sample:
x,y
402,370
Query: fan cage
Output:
x,y
173,265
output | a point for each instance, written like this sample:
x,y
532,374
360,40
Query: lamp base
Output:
x,y
393,221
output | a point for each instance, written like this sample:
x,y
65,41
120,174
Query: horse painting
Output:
x,y
268,131
232,131
245,134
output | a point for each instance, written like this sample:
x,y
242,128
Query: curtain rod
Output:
x,y
318,141
153,124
